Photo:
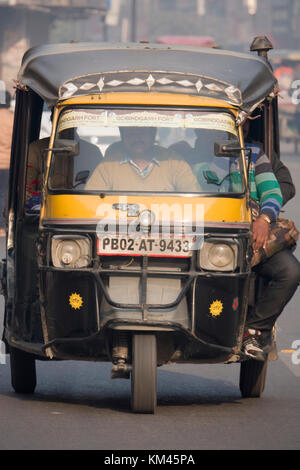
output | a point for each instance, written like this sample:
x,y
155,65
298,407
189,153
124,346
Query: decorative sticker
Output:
x,y
215,121
215,308
75,300
235,303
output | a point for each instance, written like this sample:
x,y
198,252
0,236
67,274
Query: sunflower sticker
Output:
x,y
75,300
215,308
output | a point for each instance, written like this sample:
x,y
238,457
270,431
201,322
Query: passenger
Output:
x,y
36,156
136,164
89,158
281,271
203,150
212,172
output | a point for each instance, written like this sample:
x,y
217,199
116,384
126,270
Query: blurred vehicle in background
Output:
x,y
201,41
6,124
286,65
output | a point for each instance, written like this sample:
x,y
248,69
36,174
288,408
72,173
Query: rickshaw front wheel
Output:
x,y
23,371
253,378
144,373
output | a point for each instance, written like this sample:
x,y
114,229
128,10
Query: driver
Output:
x,y
136,163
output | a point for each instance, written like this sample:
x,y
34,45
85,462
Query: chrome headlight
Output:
x,y
70,251
218,256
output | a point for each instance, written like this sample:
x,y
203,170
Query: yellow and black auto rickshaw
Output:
x,y
140,264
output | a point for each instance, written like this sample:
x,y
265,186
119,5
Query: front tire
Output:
x,y
144,373
252,378
23,371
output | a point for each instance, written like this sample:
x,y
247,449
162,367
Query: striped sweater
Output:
x,y
264,187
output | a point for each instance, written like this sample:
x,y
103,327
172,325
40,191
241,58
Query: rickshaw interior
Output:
x,y
170,130
194,144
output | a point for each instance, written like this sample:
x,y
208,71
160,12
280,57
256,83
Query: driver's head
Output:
x,y
138,140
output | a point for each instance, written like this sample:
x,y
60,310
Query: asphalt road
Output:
x,y
78,406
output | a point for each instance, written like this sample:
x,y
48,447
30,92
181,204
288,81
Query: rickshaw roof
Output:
x,y
61,71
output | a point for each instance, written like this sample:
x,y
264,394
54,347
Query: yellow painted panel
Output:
x,y
90,207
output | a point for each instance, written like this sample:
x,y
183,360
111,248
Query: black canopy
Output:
x,y
59,71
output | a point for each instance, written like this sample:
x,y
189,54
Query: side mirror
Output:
x,y
65,147
212,177
227,148
81,177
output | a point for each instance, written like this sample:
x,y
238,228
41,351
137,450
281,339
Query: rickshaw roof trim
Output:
x,y
158,99
61,71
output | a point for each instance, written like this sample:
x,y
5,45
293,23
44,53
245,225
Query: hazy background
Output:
x,y
232,23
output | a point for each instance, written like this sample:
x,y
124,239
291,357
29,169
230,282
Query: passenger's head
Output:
x,y
205,134
138,140
205,141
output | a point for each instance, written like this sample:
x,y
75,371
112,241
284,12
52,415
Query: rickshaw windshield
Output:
x,y
143,150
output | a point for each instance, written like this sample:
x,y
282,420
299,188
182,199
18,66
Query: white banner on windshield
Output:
x,y
170,119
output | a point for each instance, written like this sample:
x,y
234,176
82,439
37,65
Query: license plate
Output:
x,y
177,247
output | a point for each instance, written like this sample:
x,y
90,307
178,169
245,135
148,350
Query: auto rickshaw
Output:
x,y
103,265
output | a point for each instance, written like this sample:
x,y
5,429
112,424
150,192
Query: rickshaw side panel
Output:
x,y
65,319
220,303
22,317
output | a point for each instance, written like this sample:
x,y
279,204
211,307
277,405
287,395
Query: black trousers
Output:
x,y
282,275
